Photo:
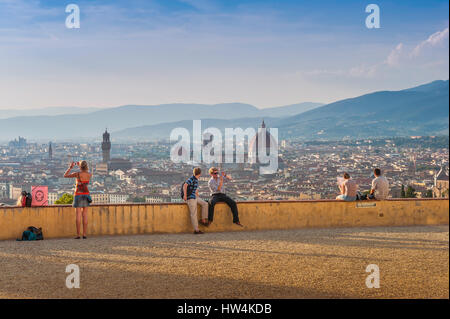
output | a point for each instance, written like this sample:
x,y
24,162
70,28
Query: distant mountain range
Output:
x,y
421,110
92,124
162,131
289,110
4,114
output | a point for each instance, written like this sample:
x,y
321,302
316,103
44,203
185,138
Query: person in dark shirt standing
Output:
x,y
190,191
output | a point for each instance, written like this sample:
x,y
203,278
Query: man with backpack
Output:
x,y
190,196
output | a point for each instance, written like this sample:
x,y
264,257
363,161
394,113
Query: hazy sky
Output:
x,y
262,52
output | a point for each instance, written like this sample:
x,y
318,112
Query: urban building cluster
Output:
x,y
144,172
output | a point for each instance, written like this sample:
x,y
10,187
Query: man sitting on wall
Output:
x,y
380,186
217,188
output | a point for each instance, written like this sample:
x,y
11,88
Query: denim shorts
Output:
x,y
81,201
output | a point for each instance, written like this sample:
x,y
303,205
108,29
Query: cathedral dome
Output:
x,y
260,136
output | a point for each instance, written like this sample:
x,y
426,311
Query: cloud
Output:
x,y
363,71
433,40
360,71
393,58
397,54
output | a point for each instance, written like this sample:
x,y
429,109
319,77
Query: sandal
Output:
x,y
78,237
84,237
239,224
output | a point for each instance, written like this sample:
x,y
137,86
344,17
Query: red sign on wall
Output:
x,y
40,195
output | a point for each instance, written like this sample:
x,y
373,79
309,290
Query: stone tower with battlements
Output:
x,y
106,147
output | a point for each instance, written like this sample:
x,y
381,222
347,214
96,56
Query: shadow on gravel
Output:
x,y
39,278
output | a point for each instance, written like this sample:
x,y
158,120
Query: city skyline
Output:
x,y
144,171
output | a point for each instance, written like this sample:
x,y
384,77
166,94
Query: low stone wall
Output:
x,y
127,219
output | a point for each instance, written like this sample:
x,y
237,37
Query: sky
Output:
x,y
262,52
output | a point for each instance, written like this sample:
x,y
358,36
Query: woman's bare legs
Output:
x,y
78,220
85,221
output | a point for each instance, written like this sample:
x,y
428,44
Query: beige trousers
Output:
x,y
192,204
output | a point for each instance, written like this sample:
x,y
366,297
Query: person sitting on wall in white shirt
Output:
x,y
380,186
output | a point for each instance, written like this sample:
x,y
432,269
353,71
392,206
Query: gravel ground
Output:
x,y
307,263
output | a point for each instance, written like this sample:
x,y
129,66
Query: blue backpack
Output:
x,y
32,233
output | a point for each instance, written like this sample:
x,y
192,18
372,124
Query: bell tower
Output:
x,y
50,151
106,147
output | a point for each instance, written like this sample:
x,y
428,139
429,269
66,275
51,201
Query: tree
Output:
x,y
403,194
428,193
65,199
410,192
137,200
